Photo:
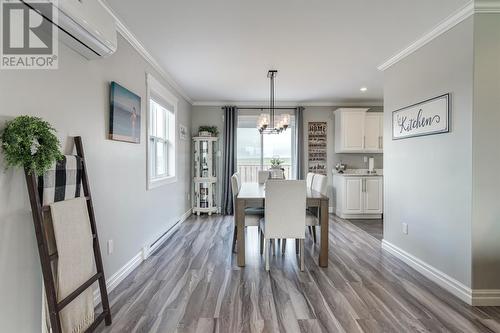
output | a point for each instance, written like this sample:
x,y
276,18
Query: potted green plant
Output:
x,y
30,142
276,163
208,131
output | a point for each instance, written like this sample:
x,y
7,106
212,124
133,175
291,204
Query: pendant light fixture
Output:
x,y
272,123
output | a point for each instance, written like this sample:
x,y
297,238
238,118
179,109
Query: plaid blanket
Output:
x,y
62,182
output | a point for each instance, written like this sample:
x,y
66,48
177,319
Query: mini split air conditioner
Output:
x,y
85,26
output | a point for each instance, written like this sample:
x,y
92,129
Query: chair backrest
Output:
x,y
309,179
285,211
319,183
263,176
238,177
235,188
235,184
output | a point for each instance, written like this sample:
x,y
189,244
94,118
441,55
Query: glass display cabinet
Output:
x,y
205,175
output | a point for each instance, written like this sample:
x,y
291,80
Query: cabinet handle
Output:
x,y
379,144
363,185
364,142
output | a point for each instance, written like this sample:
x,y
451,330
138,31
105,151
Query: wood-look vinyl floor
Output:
x,y
192,284
373,227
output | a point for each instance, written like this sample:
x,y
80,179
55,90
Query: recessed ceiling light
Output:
x,y
363,89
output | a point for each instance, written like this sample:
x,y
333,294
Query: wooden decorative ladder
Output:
x,y
47,258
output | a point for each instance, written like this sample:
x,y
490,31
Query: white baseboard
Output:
x,y
476,297
119,276
486,297
445,281
151,248
339,213
125,270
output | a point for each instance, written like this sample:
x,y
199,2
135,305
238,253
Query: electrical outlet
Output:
x,y
189,196
365,159
405,228
110,246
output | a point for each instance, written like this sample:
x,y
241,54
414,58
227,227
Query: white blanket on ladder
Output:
x,y
75,264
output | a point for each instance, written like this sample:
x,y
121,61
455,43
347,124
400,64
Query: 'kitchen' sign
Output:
x,y
425,118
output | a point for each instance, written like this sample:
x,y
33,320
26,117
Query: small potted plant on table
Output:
x,y
277,172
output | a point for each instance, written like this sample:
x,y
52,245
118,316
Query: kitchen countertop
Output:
x,y
359,172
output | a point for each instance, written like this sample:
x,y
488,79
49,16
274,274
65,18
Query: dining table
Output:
x,y
254,194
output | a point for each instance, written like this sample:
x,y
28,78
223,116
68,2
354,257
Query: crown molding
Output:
x,y
451,21
287,104
486,6
139,47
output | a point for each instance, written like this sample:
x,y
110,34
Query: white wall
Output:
x,y
486,155
75,100
428,181
207,116
213,115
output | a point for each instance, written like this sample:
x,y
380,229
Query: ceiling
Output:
x,y
325,50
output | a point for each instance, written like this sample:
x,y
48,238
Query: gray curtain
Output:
x,y
229,163
299,142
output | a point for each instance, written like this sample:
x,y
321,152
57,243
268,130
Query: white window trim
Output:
x,y
154,85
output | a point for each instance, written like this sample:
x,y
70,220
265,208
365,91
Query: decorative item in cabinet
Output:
x,y
205,175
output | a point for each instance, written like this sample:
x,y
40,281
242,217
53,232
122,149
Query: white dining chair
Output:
x,y
312,216
309,179
319,183
263,176
252,215
285,215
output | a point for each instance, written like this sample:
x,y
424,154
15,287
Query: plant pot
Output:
x,y
276,173
204,133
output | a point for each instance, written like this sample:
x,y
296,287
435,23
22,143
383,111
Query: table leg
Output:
x,y
239,215
323,252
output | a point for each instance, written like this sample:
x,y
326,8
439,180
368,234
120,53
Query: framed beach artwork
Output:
x,y
125,114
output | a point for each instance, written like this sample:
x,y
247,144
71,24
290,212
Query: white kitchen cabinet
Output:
x,y
358,131
381,128
373,132
372,203
352,139
359,197
353,201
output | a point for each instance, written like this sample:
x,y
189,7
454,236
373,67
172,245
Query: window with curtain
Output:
x,y
254,150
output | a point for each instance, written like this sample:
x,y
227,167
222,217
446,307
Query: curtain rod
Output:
x,y
257,108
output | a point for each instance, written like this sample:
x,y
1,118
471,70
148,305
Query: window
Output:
x,y
162,149
254,150
279,145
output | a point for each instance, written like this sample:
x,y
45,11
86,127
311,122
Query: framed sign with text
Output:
x,y
425,118
316,144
